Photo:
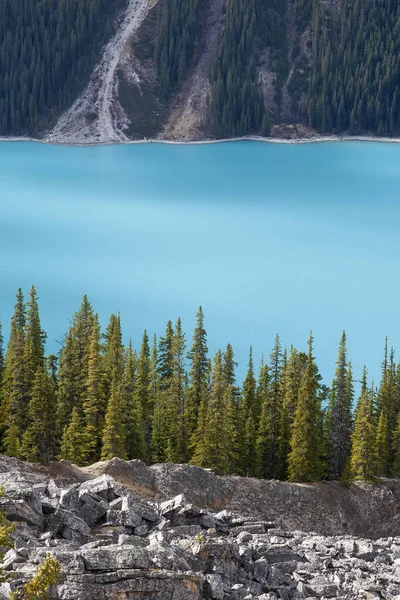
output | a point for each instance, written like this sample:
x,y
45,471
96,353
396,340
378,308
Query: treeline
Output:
x,y
166,402
355,78
237,104
47,52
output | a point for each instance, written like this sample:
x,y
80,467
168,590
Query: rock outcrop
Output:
x,y
126,535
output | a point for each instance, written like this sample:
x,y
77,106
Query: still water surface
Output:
x,y
268,238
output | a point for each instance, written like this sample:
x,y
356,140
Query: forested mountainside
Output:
x,y
198,69
168,400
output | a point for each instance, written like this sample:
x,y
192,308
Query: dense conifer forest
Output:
x,y
47,52
168,400
334,66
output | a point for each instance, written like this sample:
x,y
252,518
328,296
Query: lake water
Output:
x,y
268,238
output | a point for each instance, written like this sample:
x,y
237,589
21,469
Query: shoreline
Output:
x,y
271,140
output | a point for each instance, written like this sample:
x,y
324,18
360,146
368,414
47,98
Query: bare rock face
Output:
x,y
113,543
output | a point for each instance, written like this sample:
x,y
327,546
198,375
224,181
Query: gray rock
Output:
x,y
101,486
20,510
142,529
11,557
114,557
53,491
215,588
89,514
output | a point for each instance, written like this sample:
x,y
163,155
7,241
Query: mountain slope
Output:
x,y
199,69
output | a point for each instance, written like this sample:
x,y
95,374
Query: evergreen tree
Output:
x,y
133,418
34,341
396,448
363,451
113,350
38,443
290,387
142,394
304,458
248,415
73,440
339,416
14,393
198,375
387,408
94,405
114,440
216,449
2,358
383,446
74,363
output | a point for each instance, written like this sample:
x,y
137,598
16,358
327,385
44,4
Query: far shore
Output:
x,y
271,140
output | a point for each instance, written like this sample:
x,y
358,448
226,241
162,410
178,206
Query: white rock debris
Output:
x,y
97,116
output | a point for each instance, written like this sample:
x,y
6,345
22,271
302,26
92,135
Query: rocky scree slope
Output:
x,y
123,100
112,543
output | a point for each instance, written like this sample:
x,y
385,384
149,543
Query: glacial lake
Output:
x,y
268,238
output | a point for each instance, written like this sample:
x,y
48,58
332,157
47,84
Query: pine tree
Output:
x,y
264,465
73,440
387,408
114,440
248,429
396,448
198,439
304,458
34,340
14,394
198,376
133,419
339,416
38,440
383,445
73,364
2,358
216,449
177,397
142,394
290,387
113,351
94,403
363,451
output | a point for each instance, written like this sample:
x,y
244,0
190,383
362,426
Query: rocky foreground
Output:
x,y
114,544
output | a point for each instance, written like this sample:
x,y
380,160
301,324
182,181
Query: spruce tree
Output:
x,y
113,353
142,393
383,446
73,440
217,448
304,458
2,357
339,416
198,375
248,429
73,364
177,398
296,364
94,403
34,340
387,408
264,466
114,439
38,442
363,461
14,395
198,439
396,448
133,418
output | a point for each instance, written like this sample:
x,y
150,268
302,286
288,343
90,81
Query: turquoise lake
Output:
x,y
268,238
